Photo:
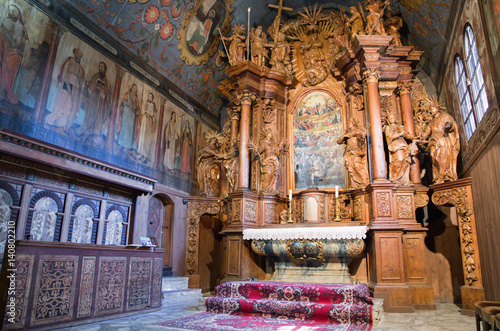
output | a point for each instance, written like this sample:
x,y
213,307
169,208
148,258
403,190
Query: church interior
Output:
x,y
253,150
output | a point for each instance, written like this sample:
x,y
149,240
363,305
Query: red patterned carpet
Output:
x,y
222,322
283,306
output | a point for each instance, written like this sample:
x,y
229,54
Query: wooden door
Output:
x,y
210,253
159,219
166,240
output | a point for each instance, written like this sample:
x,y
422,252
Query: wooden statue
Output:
x,y
392,25
443,144
237,46
258,41
399,151
230,163
355,154
374,23
355,22
280,53
268,154
208,165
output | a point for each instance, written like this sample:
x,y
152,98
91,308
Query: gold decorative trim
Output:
x,y
305,255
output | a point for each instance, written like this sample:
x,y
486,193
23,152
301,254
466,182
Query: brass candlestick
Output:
x,y
337,210
290,220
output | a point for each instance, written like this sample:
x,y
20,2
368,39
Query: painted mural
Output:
x,y
23,53
83,101
153,29
317,124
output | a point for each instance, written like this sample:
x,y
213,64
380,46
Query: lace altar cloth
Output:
x,y
340,232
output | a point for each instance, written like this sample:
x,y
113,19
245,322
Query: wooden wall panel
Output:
x,y
485,175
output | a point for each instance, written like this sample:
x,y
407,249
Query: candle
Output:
x,y
248,39
290,195
336,191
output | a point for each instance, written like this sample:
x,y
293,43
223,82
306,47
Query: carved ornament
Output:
x,y
421,200
250,211
195,210
404,206
371,75
458,197
383,204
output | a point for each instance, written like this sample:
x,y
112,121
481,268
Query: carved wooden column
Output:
x,y
234,115
379,164
197,206
404,89
458,193
244,158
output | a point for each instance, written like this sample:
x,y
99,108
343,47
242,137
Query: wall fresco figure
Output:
x,y
187,143
198,33
148,127
69,94
97,110
171,137
13,39
127,120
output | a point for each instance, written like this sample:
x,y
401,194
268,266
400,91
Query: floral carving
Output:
x,y
357,209
250,211
383,204
459,198
195,210
271,213
86,287
405,210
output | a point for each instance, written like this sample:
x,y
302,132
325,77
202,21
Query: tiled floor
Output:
x,y
446,317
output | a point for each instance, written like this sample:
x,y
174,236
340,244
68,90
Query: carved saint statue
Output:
x,y
374,23
392,25
444,144
355,154
356,22
230,163
237,47
208,165
399,150
258,41
268,154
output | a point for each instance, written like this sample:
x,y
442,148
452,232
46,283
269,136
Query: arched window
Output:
x,y
470,84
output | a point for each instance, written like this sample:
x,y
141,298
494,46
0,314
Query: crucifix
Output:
x,y
277,20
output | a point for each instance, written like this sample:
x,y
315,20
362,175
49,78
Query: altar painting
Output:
x,y
317,124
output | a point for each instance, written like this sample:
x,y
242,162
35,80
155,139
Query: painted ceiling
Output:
x,y
160,33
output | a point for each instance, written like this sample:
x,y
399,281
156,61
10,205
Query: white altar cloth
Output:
x,y
340,232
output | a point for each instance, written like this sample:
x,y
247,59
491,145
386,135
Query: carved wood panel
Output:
x,y
110,285
24,266
139,286
86,287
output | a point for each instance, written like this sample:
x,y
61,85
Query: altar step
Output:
x,y
176,294
327,303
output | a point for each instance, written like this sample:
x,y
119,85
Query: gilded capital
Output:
x,y
234,113
404,87
371,75
245,98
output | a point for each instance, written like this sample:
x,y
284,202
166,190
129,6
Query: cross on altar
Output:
x,y
277,20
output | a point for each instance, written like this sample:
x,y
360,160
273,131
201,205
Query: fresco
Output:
x,y
90,104
24,49
152,30
317,124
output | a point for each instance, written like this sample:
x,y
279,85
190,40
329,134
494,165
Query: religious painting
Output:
x,y
202,26
81,90
148,124
318,160
178,144
23,48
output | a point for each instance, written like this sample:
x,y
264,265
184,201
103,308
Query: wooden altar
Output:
x,y
281,155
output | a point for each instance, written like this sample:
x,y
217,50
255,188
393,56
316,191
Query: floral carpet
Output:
x,y
223,322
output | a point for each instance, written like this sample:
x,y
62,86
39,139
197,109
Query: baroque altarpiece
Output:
x,y
329,130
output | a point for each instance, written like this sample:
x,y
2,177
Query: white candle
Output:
x,y
290,195
336,191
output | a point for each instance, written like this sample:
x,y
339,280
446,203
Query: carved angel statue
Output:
x,y
355,154
237,46
268,154
443,143
208,162
399,150
258,41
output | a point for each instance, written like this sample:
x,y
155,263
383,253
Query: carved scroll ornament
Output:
x,y
459,198
195,210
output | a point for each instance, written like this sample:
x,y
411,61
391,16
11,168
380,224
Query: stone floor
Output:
x,y
446,317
